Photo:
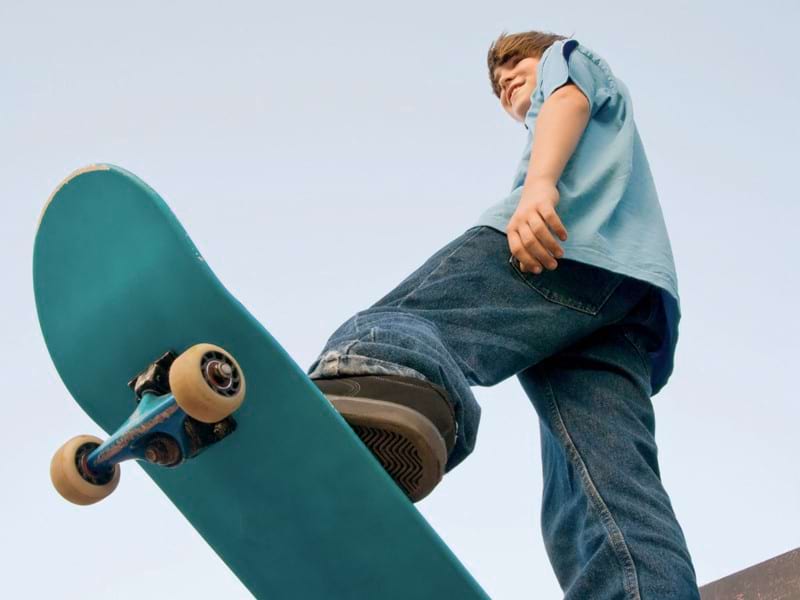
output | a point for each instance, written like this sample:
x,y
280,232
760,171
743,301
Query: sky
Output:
x,y
300,143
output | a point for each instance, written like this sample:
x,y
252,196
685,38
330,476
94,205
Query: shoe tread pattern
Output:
x,y
398,456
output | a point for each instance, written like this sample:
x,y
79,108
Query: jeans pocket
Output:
x,y
580,286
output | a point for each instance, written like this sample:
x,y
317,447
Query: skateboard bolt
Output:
x,y
220,374
162,452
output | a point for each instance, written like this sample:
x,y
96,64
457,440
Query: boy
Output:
x,y
567,283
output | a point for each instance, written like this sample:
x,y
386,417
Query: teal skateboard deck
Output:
x,y
289,497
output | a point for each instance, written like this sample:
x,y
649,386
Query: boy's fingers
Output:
x,y
554,223
532,248
526,260
543,245
554,250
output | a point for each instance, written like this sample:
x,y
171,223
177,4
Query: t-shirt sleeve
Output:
x,y
563,64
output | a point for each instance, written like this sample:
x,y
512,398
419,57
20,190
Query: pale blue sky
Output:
x,y
302,143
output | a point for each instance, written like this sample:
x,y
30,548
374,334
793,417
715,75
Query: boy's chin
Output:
x,y
520,112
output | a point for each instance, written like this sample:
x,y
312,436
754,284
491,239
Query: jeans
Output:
x,y
577,338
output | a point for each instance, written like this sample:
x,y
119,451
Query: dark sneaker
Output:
x,y
407,423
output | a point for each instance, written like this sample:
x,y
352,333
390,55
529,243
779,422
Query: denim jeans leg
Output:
x,y
469,317
391,337
607,522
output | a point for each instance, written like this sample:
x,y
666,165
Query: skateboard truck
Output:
x,y
164,449
184,404
155,377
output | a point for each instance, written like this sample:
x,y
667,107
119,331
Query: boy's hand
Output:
x,y
529,230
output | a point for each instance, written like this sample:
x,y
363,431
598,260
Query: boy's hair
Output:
x,y
515,47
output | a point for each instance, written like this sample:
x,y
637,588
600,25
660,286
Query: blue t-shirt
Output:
x,y
608,201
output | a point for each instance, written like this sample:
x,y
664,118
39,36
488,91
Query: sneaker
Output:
x,y
406,422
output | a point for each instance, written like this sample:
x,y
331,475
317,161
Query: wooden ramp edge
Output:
x,y
774,579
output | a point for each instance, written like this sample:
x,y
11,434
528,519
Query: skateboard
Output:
x,y
191,386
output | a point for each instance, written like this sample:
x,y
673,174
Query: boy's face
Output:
x,y
517,83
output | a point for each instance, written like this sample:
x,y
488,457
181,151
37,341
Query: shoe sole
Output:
x,y
408,446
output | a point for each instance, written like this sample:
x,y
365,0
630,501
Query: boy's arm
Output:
x,y
559,125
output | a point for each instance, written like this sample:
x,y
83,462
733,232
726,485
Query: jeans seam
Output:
x,y
439,266
639,352
615,536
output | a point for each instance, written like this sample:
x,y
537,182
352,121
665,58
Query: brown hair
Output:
x,y
515,47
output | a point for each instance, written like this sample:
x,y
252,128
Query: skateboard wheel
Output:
x,y
208,384
68,480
